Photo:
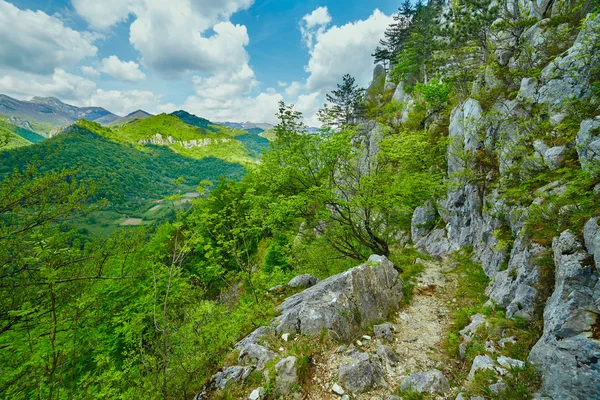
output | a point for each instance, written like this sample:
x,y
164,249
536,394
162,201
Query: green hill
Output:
x,y
166,125
193,120
124,174
13,141
254,143
29,136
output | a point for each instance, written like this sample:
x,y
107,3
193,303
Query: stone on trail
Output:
x,y
432,381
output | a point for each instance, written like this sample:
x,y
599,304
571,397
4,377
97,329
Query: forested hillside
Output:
x,y
437,238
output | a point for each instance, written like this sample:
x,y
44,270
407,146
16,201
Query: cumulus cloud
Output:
x,y
345,49
124,70
65,86
308,105
103,14
35,42
125,102
227,97
314,24
90,71
293,89
260,108
173,36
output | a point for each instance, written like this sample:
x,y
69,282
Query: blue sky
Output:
x,y
220,59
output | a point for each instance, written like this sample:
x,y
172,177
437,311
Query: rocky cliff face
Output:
x,y
474,212
159,140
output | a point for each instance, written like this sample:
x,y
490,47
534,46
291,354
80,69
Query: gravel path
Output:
x,y
420,329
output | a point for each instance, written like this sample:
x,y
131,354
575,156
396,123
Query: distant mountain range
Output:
x,y
45,114
52,112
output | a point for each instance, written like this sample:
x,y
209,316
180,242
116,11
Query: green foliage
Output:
x,y
27,135
346,105
435,94
255,144
409,394
193,120
122,173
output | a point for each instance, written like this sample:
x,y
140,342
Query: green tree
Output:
x,y
346,104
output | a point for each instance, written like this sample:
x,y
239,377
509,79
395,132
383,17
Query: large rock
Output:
x,y
303,281
568,75
287,376
344,304
588,142
514,287
568,352
361,374
422,222
465,121
229,374
255,354
432,381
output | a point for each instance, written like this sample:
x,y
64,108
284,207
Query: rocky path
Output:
x,y
418,331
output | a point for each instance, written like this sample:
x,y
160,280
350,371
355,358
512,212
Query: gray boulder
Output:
x,y
344,304
287,375
514,288
579,60
468,331
481,363
554,157
498,387
361,374
257,394
256,355
383,331
303,281
432,381
422,221
567,354
388,359
588,142
510,363
436,243
591,234
229,374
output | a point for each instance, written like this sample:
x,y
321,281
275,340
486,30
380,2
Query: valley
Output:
x,y
133,162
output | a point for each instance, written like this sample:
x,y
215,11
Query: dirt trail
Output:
x,y
420,330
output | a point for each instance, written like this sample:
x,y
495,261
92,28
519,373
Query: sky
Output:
x,y
225,60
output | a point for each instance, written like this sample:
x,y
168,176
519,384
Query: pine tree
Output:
x,y
382,55
397,33
347,104
472,21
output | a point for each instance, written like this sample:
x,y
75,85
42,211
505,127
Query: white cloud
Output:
x,y
67,87
314,24
261,108
226,97
124,70
282,84
308,105
35,42
125,102
293,89
103,14
172,36
90,71
343,50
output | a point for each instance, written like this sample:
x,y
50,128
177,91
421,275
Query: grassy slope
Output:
x,y
14,141
166,125
28,135
239,148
